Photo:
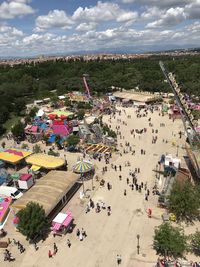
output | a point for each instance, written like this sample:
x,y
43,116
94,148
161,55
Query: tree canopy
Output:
x,y
169,241
21,84
18,129
32,220
73,140
184,200
195,243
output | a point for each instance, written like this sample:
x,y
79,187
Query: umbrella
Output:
x,y
83,166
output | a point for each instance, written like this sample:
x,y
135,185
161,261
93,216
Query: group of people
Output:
x,y
55,250
81,234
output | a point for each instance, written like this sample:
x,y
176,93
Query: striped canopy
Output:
x,y
83,166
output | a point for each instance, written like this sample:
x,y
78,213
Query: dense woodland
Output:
x,y
22,84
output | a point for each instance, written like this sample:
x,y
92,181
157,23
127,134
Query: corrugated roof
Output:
x,y
48,190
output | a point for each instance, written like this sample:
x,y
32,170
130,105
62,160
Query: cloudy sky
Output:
x,y
36,27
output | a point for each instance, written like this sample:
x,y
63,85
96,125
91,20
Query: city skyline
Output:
x,y
29,28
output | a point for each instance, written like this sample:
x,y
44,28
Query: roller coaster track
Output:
x,y
187,119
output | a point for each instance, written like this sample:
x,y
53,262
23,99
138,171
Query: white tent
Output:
x,y
40,113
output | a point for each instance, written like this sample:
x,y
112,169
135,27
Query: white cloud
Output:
x,y
106,11
84,27
159,3
15,8
171,17
152,13
54,19
12,40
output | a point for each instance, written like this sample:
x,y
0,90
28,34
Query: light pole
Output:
x,y
138,244
156,170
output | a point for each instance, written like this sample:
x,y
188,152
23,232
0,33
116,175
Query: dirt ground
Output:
x,y
108,236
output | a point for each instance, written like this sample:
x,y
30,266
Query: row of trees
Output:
x,y
24,83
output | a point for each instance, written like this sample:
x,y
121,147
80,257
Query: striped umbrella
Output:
x,y
83,166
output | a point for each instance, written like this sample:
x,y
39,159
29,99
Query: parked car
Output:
x,y
10,191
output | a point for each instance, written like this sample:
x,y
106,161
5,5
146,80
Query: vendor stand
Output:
x,y
61,223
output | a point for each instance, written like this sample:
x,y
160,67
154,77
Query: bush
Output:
x,y
37,149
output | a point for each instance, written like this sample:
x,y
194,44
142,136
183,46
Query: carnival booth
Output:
x,y
4,209
25,181
61,223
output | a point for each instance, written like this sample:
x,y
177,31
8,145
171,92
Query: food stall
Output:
x,y
25,181
61,223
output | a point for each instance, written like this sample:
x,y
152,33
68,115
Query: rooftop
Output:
x,y
45,161
13,155
48,190
139,97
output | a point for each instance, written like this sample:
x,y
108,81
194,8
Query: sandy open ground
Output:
x,y
108,236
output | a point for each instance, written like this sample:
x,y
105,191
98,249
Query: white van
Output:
x,y
9,191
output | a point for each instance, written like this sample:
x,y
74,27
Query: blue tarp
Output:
x,y
52,138
43,126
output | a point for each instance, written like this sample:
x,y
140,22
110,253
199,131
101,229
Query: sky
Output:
x,y
42,27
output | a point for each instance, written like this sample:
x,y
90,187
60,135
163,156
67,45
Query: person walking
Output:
x,y
50,254
68,243
119,259
83,233
124,192
55,248
77,232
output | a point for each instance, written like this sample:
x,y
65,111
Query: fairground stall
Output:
x,y
61,223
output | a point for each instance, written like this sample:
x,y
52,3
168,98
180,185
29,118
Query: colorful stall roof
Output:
x,y
62,130
45,161
59,113
4,207
14,156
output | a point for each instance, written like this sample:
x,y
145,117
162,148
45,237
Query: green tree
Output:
x,y
32,221
184,201
73,140
54,101
2,130
18,129
195,243
169,241
20,105
27,119
37,149
67,102
33,112
80,114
